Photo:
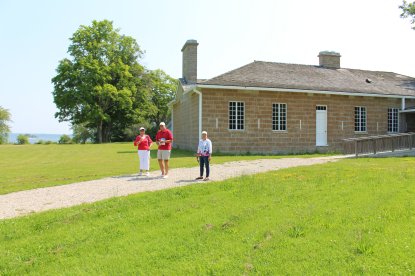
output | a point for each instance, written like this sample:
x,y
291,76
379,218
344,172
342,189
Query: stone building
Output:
x,y
269,107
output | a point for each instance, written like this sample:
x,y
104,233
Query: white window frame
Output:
x,y
360,122
237,117
279,118
393,120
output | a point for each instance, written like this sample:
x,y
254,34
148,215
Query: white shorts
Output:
x,y
163,154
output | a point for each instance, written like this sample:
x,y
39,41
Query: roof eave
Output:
x,y
293,90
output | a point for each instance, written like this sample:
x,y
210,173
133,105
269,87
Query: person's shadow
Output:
x,y
188,181
142,178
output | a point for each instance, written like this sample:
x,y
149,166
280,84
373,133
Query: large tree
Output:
x,y
408,10
5,118
102,85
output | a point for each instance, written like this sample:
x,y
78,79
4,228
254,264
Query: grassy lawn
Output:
x,y
349,217
24,167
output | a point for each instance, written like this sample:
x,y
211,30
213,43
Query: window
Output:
x,y
393,119
236,115
360,119
279,116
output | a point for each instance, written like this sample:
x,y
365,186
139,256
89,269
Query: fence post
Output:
x,y
410,141
355,148
392,144
374,146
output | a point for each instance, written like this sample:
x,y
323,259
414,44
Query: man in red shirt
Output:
x,y
164,138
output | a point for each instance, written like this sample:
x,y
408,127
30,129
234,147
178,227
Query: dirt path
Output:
x,y
37,200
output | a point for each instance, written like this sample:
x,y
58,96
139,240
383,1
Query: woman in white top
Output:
x,y
204,151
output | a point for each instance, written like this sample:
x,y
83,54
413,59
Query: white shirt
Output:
x,y
205,147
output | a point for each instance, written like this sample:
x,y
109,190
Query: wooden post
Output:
x,y
355,148
374,146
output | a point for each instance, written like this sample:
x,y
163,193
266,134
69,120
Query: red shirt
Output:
x,y
166,134
144,144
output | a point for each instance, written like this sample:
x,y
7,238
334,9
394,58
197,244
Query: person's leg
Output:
x,y
207,166
148,160
160,160
166,167
202,164
166,157
140,157
161,164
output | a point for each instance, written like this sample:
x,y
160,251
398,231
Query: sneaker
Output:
x,y
165,176
140,173
147,173
200,177
206,179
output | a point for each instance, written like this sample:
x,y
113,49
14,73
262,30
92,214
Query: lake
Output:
x,y
35,137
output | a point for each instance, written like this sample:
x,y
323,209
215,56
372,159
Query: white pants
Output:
x,y
144,156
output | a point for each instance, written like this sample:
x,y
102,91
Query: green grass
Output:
x,y
349,217
24,167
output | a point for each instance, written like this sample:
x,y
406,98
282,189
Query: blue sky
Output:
x,y
35,36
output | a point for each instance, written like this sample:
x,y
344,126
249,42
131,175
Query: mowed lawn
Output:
x,y
353,216
24,167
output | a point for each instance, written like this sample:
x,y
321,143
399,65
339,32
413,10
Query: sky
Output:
x,y
34,37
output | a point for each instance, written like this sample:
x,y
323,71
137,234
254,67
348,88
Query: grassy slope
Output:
x,y
348,217
25,167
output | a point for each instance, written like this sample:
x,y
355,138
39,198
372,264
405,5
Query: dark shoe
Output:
x,y
200,177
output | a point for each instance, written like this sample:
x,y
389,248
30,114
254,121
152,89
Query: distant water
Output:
x,y
33,138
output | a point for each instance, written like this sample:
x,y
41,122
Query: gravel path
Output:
x,y
37,200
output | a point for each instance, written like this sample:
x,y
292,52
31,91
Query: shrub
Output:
x,y
22,139
65,139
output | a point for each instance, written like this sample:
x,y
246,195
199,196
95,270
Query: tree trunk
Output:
x,y
99,132
106,133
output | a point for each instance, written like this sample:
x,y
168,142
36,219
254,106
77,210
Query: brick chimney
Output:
x,y
329,59
190,61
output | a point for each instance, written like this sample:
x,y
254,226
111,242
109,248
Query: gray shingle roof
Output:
x,y
308,77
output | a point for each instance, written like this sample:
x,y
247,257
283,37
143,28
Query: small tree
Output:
x,y
163,88
81,134
65,139
22,139
4,127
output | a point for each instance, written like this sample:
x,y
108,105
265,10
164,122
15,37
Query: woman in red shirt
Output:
x,y
143,142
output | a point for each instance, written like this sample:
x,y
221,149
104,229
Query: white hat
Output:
x,y
142,128
204,132
162,124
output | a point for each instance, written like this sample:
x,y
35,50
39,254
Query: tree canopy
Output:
x,y
408,10
162,88
102,86
5,118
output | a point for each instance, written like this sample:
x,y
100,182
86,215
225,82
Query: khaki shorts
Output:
x,y
163,154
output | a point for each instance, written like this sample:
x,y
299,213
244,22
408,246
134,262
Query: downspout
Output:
x,y
200,111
